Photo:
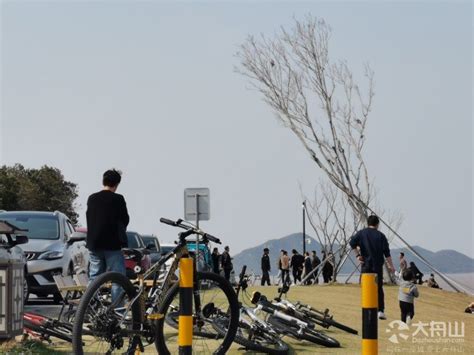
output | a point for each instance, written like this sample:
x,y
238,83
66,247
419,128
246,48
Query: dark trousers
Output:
x,y
296,274
379,272
265,278
407,309
227,274
285,276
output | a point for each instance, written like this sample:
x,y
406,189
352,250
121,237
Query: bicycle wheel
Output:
x,y
102,324
216,297
254,338
293,330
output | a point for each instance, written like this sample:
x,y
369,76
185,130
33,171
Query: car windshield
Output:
x,y
166,249
39,226
150,240
133,241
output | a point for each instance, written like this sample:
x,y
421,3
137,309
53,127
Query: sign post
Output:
x,y
197,208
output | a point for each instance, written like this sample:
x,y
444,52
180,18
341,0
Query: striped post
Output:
x,y
185,336
370,304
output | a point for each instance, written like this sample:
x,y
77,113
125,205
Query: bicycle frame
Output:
x,y
156,293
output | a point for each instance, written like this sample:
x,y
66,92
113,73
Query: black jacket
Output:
x,y
226,261
297,261
265,263
107,219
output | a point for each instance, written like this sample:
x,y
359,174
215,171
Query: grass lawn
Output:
x,y
344,303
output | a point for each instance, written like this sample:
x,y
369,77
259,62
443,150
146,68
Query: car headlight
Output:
x,y
51,255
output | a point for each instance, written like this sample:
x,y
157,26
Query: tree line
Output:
x,y
43,189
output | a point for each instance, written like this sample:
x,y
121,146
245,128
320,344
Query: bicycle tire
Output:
x,y
280,348
229,292
310,335
108,277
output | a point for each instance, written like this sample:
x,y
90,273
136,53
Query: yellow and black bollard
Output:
x,y
185,337
370,304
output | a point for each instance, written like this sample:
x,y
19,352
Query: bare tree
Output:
x,y
318,99
333,221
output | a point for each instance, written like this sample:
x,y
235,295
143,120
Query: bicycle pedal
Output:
x,y
155,316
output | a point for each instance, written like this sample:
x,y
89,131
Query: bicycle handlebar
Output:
x,y
192,230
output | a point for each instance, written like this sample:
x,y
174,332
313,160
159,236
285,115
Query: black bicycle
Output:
x,y
117,316
292,324
254,333
309,313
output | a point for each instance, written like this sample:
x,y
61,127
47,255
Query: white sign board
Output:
x,y
197,204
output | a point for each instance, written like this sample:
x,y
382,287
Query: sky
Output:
x,y
150,88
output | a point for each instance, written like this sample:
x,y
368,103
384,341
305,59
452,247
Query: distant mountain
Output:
x,y
447,261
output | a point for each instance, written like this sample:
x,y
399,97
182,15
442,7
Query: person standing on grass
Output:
x,y
406,296
418,274
279,276
327,267
107,221
215,261
285,268
265,264
307,268
371,247
403,264
315,265
226,261
296,263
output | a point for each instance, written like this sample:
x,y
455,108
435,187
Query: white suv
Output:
x,y
48,251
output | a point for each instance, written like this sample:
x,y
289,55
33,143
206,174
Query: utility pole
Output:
x,y
304,226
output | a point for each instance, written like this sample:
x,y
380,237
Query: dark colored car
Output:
x,y
136,254
153,246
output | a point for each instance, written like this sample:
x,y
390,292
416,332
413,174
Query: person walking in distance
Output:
x,y
307,268
279,276
265,264
403,264
107,219
285,268
296,263
226,261
215,257
371,247
327,267
315,265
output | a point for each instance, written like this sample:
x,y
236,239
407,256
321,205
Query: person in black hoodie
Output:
x,y
265,264
418,274
296,263
215,261
226,262
107,220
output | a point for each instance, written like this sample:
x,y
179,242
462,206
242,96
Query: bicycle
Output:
x,y
120,314
253,333
307,312
44,328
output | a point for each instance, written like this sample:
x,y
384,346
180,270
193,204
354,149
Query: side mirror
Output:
x,y
76,237
20,239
